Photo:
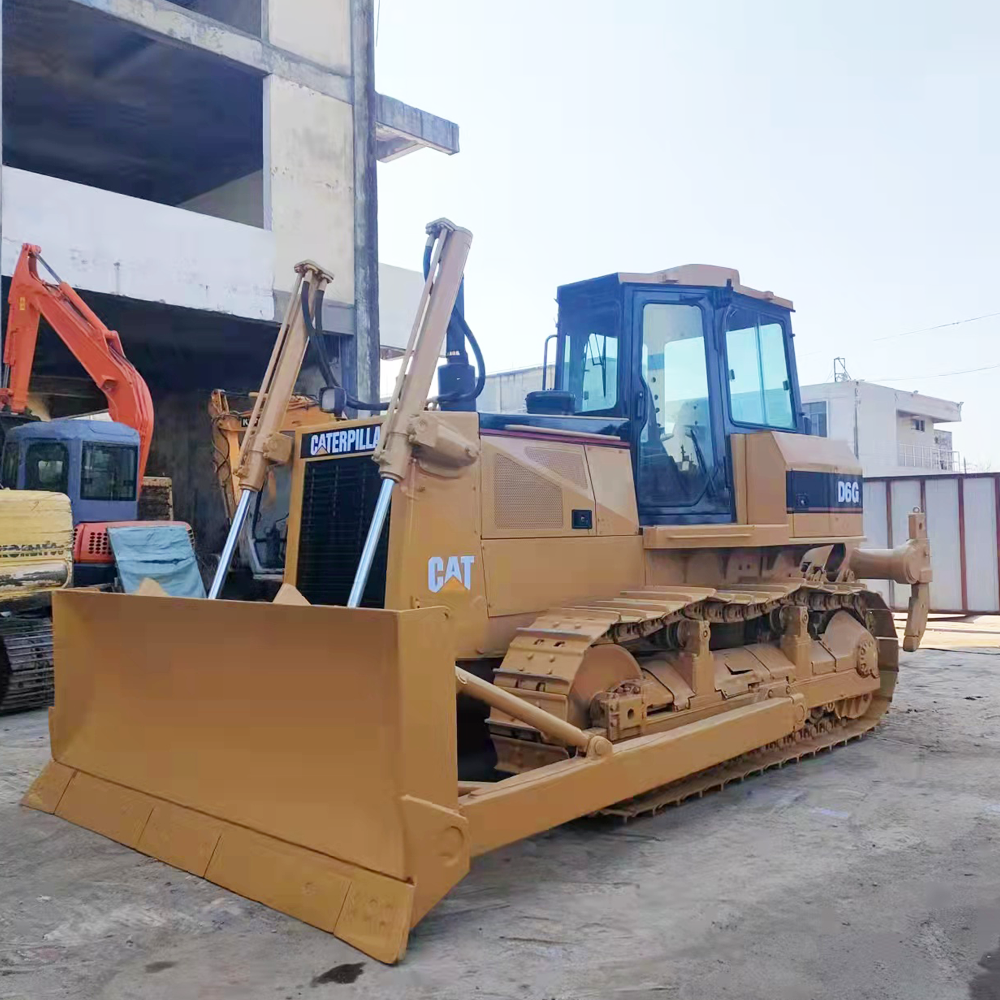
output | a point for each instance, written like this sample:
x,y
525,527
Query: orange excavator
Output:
x,y
98,349
67,480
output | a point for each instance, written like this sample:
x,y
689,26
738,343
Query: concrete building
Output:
x,y
892,432
174,160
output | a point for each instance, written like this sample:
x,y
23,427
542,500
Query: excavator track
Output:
x,y
26,672
561,639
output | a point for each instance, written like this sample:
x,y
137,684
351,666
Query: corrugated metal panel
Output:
x,y
981,580
876,530
904,497
963,524
943,532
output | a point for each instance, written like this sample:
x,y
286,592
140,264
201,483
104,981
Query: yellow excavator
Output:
x,y
261,553
650,584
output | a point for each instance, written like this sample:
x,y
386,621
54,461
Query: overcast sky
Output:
x,y
843,154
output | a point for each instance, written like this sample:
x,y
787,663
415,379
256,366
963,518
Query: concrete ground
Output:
x,y
872,872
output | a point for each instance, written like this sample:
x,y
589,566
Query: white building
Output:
x,y
506,392
892,432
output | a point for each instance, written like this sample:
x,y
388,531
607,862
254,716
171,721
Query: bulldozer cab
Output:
x,y
676,362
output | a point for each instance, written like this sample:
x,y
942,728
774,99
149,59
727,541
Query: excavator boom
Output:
x,y
98,349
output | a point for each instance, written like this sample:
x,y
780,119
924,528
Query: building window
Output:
x,y
108,472
918,424
816,415
47,467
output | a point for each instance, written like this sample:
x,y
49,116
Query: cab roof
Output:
x,y
697,275
65,429
706,275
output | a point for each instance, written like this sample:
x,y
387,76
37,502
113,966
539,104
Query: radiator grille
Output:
x,y
338,500
524,499
568,464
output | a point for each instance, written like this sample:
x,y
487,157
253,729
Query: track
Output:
x,y
800,746
26,672
633,619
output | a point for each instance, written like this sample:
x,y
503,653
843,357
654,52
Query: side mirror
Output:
x,y
333,399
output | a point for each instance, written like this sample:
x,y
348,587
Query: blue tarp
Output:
x,y
159,552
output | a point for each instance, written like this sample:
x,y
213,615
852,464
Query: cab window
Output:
x,y
759,386
8,473
590,358
46,467
108,472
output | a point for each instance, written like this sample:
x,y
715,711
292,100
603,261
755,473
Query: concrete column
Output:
x,y
366,319
319,30
309,188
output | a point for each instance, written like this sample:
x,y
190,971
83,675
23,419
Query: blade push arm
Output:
x,y
263,443
449,246
449,249
96,347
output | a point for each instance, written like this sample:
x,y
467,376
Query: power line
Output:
x,y
923,329
940,326
910,378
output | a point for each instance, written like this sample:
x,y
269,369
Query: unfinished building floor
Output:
x,y
870,872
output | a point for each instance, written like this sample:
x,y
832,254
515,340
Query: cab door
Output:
x,y
678,443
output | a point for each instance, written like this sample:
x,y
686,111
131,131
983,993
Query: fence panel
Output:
x,y
963,524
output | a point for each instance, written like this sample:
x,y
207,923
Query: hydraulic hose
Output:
x,y
314,327
480,364
458,334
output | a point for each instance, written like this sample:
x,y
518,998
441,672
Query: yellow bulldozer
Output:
x,y
650,584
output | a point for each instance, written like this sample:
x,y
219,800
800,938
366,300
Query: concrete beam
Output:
x,y
170,23
401,129
69,387
338,317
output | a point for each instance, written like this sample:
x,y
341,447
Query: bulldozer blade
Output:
x,y
301,756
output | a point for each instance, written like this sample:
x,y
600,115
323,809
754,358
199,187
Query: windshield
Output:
x,y
47,467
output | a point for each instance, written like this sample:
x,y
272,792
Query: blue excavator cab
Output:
x,y
94,462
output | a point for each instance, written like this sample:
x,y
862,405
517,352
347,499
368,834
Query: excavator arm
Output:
x,y
96,347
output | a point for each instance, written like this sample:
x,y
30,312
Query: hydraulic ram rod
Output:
x,y
232,540
371,543
263,443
